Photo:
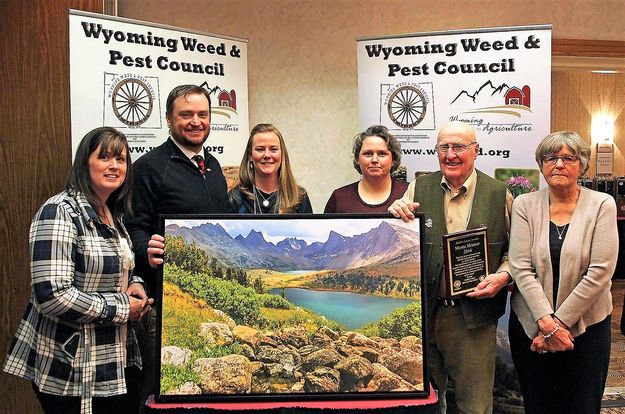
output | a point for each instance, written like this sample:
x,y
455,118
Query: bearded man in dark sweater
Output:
x,y
178,177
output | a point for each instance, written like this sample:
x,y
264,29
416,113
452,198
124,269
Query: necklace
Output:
x,y
266,200
561,233
104,216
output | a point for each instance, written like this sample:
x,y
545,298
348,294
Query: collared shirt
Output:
x,y
458,208
189,153
458,204
68,342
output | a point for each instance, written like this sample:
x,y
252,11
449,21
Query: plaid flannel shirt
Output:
x,y
69,340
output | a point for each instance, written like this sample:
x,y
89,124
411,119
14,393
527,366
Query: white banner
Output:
x,y
122,70
497,79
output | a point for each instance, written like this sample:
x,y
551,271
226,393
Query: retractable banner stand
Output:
x,y
496,79
122,70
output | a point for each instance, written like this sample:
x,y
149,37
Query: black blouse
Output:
x,y
557,234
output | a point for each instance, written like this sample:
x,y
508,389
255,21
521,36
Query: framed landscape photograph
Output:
x,y
291,307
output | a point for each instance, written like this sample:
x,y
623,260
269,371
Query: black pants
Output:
x,y
117,404
562,382
146,335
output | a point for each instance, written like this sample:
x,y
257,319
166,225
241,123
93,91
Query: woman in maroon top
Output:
x,y
376,155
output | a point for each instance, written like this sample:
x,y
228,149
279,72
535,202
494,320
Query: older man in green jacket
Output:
x,y
461,332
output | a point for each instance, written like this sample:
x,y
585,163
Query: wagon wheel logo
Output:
x,y
132,102
406,107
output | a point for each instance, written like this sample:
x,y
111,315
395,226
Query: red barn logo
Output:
x,y
228,99
516,96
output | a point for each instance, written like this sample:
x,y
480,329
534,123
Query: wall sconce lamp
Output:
x,y
602,132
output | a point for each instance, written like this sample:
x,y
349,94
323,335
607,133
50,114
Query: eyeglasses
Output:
x,y
457,148
566,159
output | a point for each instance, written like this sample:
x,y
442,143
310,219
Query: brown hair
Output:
x,y
184,90
377,131
110,141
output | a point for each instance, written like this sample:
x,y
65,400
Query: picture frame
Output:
x,y
291,307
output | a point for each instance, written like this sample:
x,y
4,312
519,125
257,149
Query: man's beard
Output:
x,y
182,140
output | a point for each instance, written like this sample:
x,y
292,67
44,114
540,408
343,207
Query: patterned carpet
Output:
x,y
614,396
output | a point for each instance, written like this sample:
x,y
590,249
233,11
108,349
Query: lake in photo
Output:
x,y
353,310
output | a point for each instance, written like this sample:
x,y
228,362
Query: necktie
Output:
x,y
200,162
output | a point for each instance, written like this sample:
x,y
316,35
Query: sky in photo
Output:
x,y
309,230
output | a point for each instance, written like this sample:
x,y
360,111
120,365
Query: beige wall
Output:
x,y
579,96
302,57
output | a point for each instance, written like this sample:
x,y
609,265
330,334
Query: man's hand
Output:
x,y
156,249
490,286
403,210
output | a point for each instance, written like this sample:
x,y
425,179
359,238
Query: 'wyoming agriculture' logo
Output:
x,y
223,102
224,108
515,100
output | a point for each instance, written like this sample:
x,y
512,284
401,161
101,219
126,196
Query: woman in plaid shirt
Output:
x,y
74,342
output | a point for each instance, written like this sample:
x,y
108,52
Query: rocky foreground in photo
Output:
x,y
291,361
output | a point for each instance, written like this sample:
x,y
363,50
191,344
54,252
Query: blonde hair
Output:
x,y
290,197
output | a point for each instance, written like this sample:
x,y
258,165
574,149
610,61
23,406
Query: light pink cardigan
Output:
x,y
587,261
